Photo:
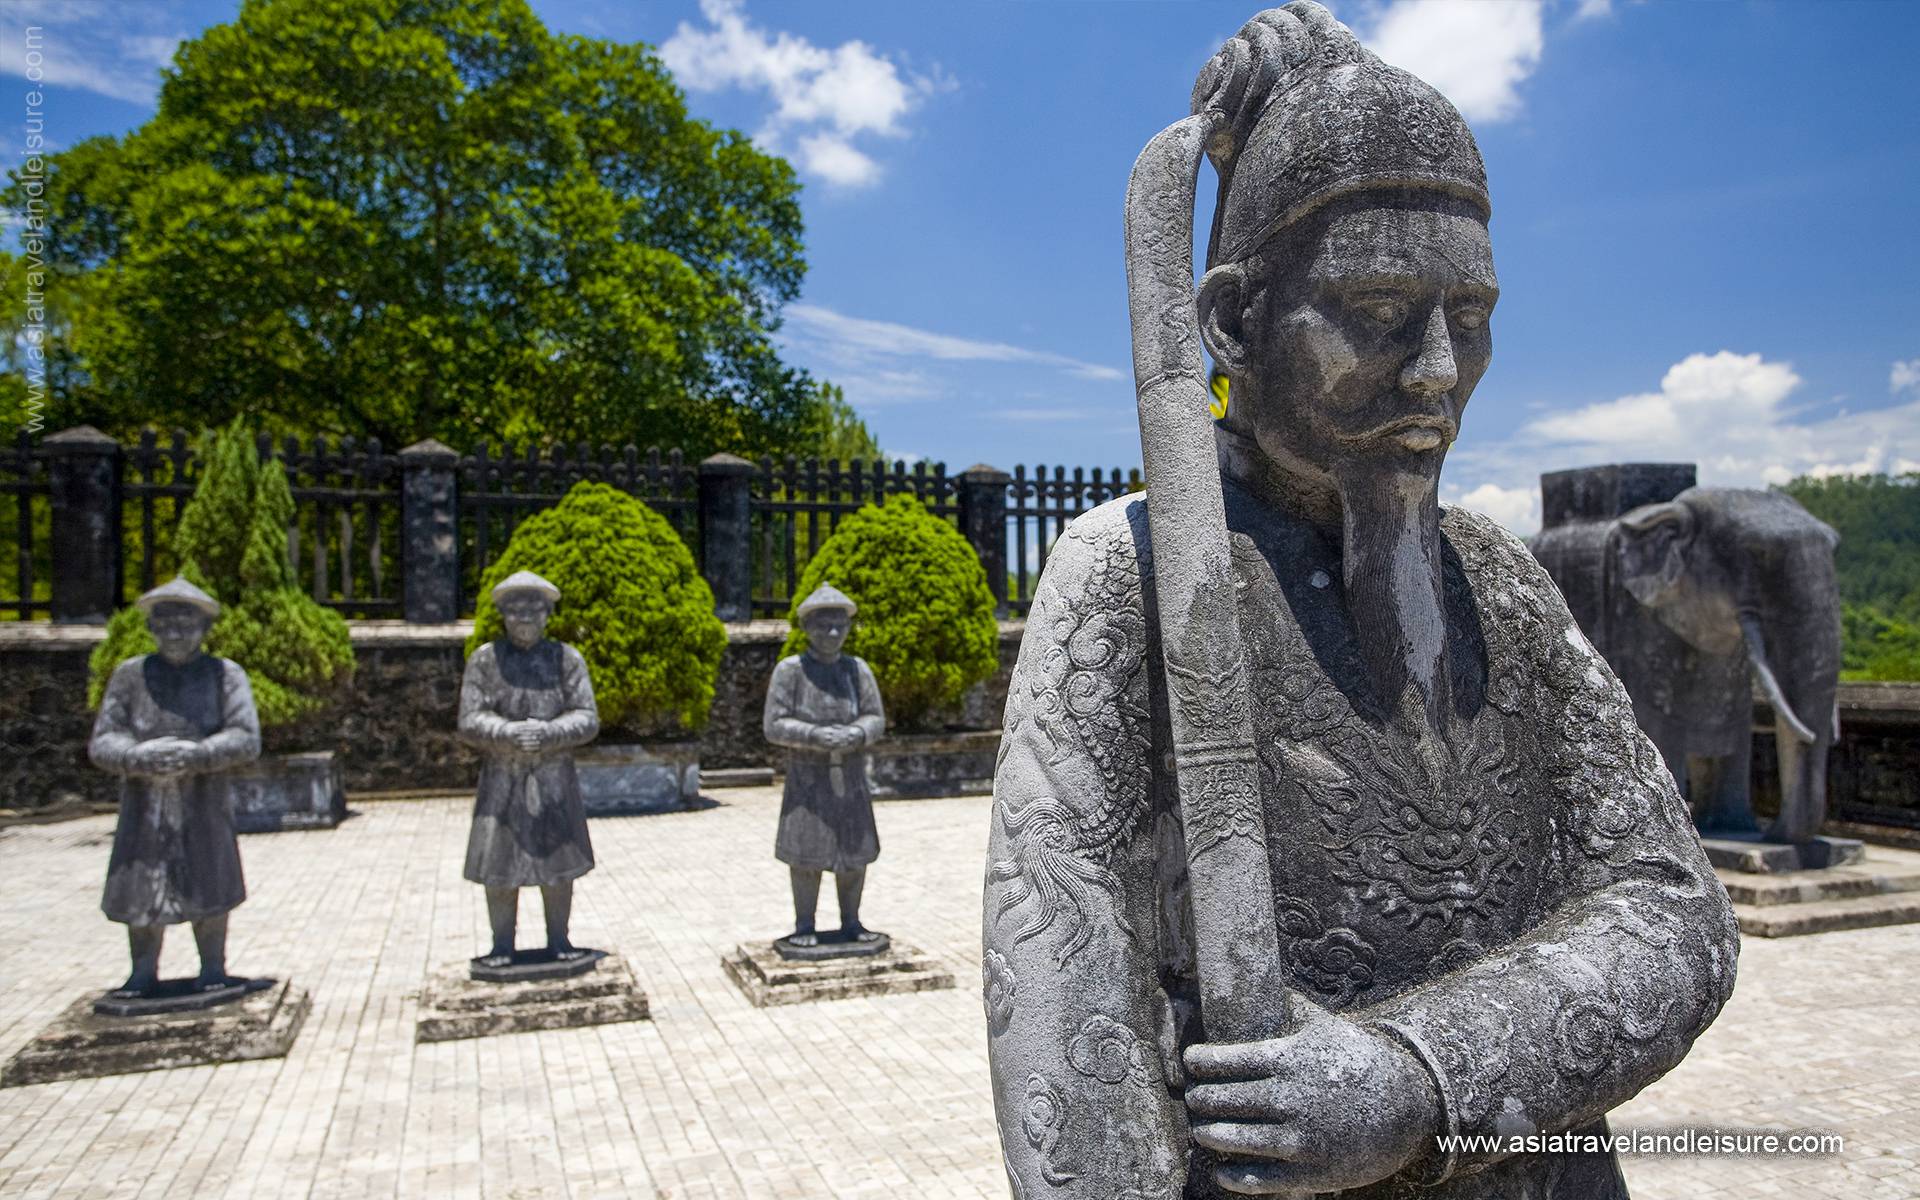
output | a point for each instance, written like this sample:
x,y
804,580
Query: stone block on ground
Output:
x,y
454,1006
1882,887
288,791
81,1043
768,979
626,779
921,766
1756,857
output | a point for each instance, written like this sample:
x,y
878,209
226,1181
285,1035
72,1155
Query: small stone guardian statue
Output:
x,y
170,725
525,703
1319,831
824,707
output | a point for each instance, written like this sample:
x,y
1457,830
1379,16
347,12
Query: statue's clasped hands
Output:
x,y
1331,1105
528,736
838,738
166,756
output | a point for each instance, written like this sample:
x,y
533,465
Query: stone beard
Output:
x,y
1492,914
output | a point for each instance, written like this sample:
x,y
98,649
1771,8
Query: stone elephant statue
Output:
x,y
1692,601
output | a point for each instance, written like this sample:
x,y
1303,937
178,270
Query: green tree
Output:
x,y
404,218
1877,567
926,618
232,543
631,601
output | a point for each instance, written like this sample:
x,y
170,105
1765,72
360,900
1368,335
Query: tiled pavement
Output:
x,y
714,1098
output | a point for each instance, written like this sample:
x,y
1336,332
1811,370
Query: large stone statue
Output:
x,y
1692,596
824,707
170,724
526,702
1320,832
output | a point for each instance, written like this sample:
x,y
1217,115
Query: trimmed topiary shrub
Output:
x,y
926,623
232,543
631,601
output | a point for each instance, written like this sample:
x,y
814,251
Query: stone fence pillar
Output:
x,y
726,528
983,518
429,533
84,472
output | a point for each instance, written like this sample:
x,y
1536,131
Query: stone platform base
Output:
x,y
1881,888
1774,858
529,965
288,791
627,780
454,1006
769,979
81,1043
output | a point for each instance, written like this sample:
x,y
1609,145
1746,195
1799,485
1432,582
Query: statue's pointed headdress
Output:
x,y
1294,113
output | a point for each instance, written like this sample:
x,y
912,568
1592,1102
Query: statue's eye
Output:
x,y
1384,309
1470,316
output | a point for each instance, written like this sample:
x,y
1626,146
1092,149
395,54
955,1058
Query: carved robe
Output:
x,y
826,812
529,822
1521,904
175,857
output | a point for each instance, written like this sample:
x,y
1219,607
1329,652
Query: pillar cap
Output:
x,y
81,439
430,452
726,464
983,473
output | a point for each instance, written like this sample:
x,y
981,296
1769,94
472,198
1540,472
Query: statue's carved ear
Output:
x,y
1652,543
1222,305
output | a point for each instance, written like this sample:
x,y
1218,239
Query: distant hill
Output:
x,y
1878,567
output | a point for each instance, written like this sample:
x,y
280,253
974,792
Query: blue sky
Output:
x,y
1704,214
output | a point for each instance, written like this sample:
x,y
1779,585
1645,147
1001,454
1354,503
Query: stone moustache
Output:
x,y
824,707
1691,600
1319,831
170,724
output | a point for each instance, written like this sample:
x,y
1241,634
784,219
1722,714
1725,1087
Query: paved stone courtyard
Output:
x,y
715,1098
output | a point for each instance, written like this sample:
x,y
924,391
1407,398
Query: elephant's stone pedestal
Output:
x,y
1756,857
455,1005
1879,887
82,1043
768,978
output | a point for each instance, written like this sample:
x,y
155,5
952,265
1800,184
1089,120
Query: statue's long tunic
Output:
x,y
1536,863
529,822
826,811
175,857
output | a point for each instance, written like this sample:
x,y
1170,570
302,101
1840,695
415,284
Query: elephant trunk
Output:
x,y
1801,751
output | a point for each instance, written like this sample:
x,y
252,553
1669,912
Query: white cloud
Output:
x,y
1905,377
112,50
1726,412
1518,508
858,339
1476,52
823,97
1592,9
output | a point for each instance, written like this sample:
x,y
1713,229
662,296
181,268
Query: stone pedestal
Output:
x,y
288,791
1879,886
454,1005
917,766
770,979
1756,857
620,780
82,1043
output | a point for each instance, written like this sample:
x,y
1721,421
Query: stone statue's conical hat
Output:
x,y
522,582
179,591
825,597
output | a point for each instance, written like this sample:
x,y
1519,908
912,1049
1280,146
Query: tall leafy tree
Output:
x,y
427,217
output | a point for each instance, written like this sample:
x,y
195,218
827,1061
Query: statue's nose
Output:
x,y
1432,369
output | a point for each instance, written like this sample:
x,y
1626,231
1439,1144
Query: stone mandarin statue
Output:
x,y
525,703
824,707
1319,831
170,723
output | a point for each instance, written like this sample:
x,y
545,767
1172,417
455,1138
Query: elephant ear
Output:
x,y
1652,543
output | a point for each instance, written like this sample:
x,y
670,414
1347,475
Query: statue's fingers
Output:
x,y
1230,1060
1245,1100
1264,1179
1252,1139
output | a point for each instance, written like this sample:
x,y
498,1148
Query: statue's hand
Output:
x,y
528,735
1332,1105
843,737
166,756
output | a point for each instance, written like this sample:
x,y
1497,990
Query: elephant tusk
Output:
x,y
1757,655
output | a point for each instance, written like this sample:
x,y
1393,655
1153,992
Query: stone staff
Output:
x,y
1242,992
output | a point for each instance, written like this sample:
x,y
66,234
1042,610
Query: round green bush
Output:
x,y
631,601
232,544
926,623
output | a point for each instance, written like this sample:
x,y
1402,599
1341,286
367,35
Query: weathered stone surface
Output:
x,y
528,966
288,791
625,779
1689,597
1754,856
1320,832
80,1043
916,766
768,980
833,946
453,1006
1876,886
177,996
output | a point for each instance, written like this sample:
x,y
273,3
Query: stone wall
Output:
x,y
396,729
